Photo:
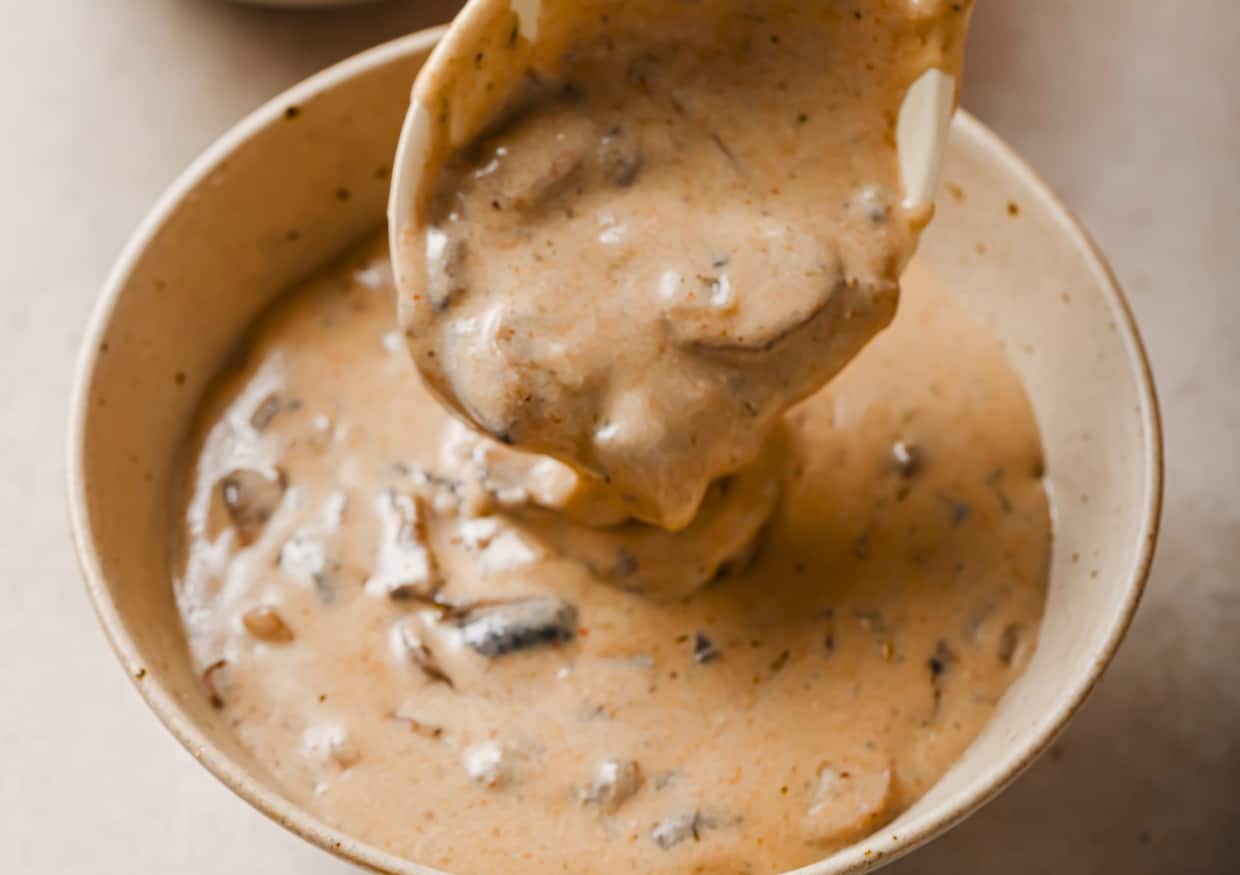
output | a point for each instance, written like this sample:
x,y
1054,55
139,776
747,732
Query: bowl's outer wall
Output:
x,y
307,175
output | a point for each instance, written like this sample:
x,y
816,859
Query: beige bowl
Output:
x,y
305,175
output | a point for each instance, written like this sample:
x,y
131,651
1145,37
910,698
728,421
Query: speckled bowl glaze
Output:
x,y
305,175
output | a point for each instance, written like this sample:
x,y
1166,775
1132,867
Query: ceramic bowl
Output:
x,y
305,175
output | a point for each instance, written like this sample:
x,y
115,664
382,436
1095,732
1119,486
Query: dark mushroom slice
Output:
x,y
497,629
704,650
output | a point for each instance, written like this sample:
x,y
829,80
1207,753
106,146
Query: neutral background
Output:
x,y
1129,107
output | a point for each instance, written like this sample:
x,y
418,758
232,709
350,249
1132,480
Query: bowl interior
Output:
x,y
308,174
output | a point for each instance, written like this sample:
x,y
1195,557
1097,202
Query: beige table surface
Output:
x,y
1131,109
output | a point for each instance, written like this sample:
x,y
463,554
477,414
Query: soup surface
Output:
x,y
415,641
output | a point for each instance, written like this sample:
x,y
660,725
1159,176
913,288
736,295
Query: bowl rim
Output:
x,y
300,821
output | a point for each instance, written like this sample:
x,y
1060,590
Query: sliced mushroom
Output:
x,y
704,650
547,171
496,629
266,624
251,497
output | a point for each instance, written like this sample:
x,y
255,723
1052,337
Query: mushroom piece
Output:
x,y
251,497
266,624
497,629
615,781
